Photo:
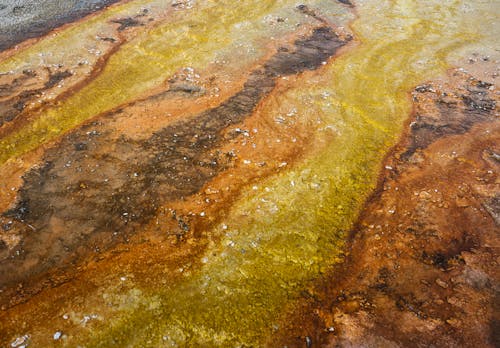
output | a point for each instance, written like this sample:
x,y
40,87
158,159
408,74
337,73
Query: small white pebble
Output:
x,y
19,342
57,335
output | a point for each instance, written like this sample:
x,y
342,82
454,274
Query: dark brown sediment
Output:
x,y
421,268
101,186
346,2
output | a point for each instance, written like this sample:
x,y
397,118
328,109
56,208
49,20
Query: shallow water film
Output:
x,y
249,173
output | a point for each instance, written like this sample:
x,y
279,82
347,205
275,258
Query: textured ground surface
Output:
x,y
222,173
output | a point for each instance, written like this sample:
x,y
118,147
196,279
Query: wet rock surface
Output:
x,y
422,269
102,186
21,20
